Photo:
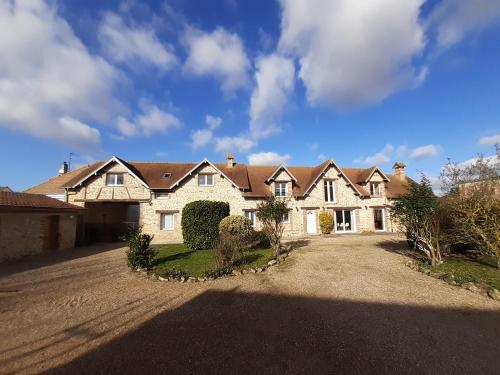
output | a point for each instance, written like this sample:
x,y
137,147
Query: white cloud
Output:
x,y
220,54
151,120
490,141
213,122
381,157
268,158
125,43
50,85
353,52
154,120
241,144
125,127
201,138
265,39
275,77
424,152
322,157
453,19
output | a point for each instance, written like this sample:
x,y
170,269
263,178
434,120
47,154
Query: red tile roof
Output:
x,y
250,179
9,200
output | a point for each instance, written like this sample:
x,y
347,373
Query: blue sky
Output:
x,y
294,81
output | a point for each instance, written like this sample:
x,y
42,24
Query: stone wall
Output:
x,y
24,234
151,207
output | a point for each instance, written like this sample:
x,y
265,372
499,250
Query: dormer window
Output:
x,y
114,179
281,189
375,189
167,176
205,180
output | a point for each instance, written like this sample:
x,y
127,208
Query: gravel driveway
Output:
x,y
337,305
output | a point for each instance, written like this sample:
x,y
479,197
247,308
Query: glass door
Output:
x,y
344,221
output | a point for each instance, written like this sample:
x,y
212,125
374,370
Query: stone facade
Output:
x,y
152,206
25,233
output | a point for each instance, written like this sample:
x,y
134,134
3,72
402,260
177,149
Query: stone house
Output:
x,y
117,193
32,223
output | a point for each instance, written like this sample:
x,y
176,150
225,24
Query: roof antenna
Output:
x,y
71,154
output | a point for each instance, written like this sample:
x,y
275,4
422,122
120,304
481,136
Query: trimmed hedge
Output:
x,y
200,223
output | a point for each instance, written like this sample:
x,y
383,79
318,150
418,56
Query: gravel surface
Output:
x,y
346,304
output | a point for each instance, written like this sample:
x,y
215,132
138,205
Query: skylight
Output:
x,y
167,176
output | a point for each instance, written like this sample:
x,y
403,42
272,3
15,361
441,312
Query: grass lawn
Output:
x,y
194,263
479,271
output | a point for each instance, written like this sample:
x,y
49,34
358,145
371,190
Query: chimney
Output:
x,y
399,170
230,160
64,168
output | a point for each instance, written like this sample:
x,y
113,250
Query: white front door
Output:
x,y
311,222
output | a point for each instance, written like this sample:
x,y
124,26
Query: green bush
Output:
x,y
260,240
325,222
200,221
235,235
139,253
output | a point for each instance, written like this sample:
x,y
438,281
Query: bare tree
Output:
x,y
473,203
271,213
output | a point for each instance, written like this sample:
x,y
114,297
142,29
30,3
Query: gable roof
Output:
x,y
33,202
77,180
5,188
253,181
281,167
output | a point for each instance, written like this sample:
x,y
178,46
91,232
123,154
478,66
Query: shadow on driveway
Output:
x,y
244,333
47,259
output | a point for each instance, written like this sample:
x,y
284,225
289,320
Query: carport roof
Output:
x,y
34,202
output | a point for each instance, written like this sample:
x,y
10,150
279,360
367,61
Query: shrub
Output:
x,y
218,272
271,213
325,222
139,253
200,221
235,234
260,240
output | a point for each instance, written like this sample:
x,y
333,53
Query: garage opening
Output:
x,y
108,221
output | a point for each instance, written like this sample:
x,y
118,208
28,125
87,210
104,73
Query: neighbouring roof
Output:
x,y
9,200
5,189
251,180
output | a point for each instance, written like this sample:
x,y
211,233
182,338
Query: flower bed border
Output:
x,y
234,272
449,278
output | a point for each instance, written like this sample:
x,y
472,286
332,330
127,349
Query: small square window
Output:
x,y
161,195
281,189
286,218
167,176
205,180
167,221
114,179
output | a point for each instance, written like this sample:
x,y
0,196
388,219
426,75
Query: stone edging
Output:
x,y
450,279
191,279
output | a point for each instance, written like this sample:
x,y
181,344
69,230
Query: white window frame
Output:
x,y
278,188
354,227
377,184
205,179
115,175
383,220
287,221
161,195
162,221
252,216
328,198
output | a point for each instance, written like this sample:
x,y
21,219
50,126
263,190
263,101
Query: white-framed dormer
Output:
x,y
281,189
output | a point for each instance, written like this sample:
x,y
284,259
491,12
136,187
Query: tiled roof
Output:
x,y
55,185
9,200
250,179
5,188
